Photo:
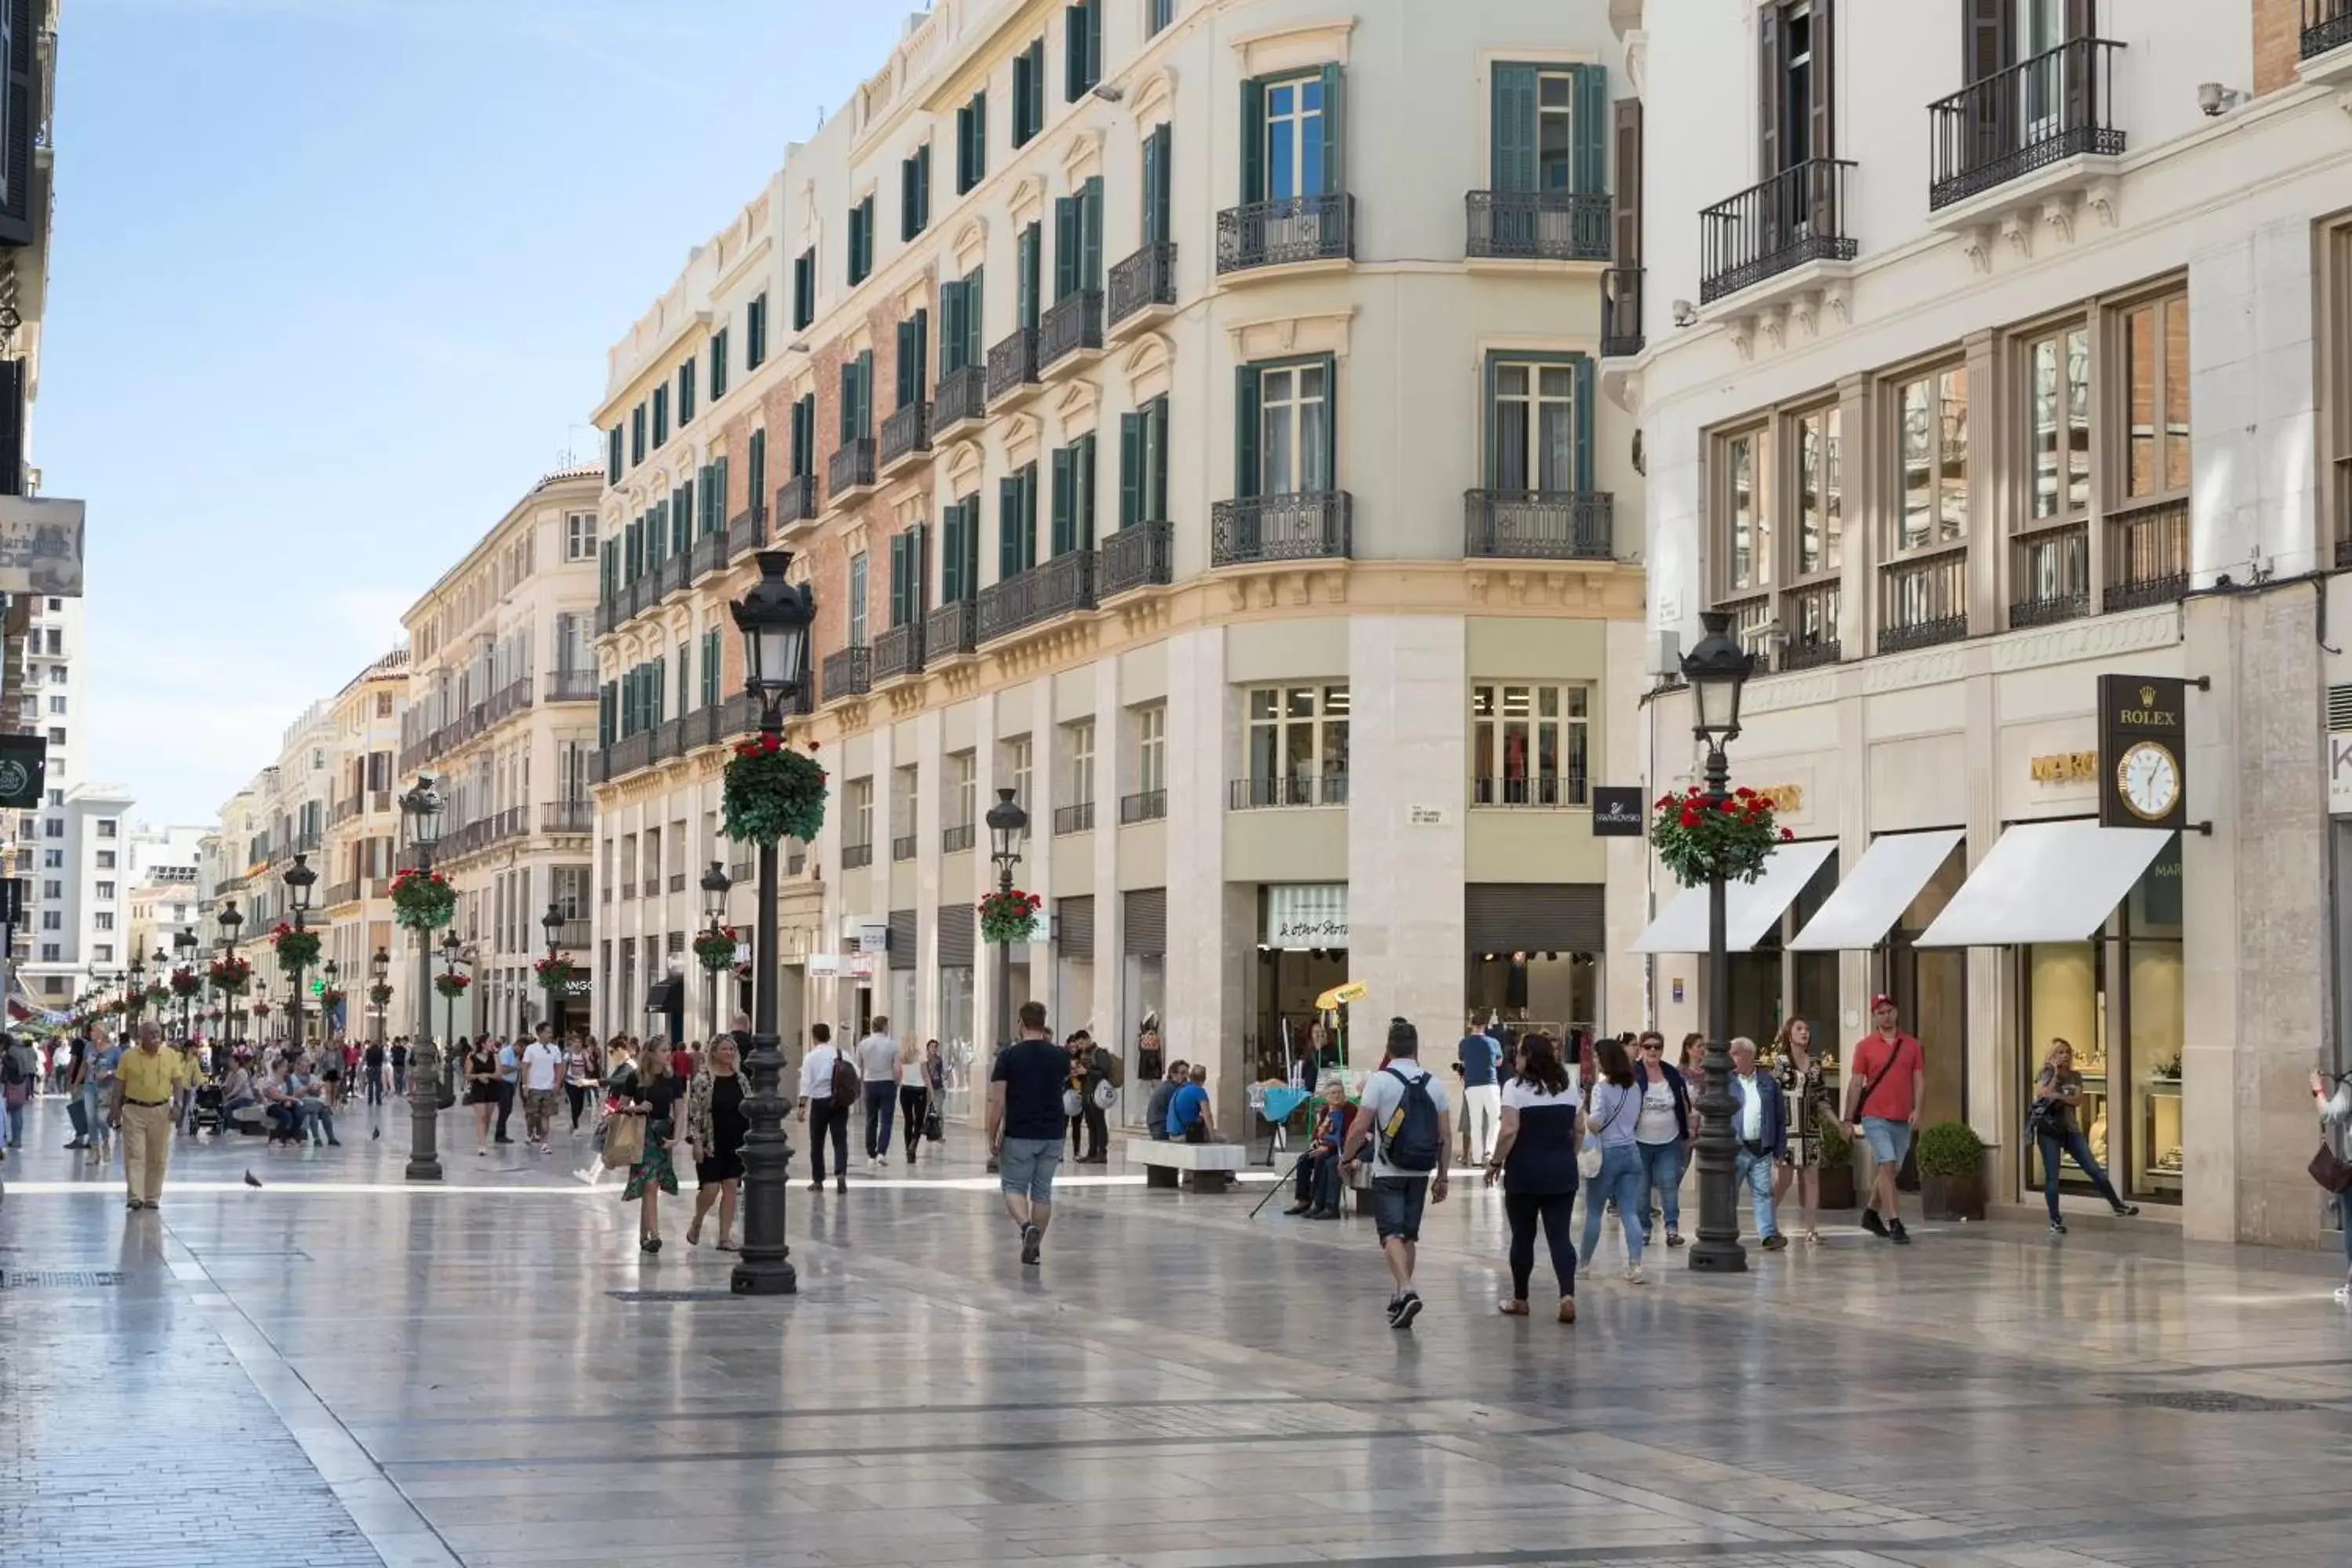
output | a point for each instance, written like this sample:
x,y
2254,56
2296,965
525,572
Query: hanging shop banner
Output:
x,y
2143,752
1617,811
40,546
1307,914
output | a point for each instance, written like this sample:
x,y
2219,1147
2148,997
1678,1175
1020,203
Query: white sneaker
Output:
x,y
1634,1274
2344,1294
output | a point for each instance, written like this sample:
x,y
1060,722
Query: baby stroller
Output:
x,y
207,1115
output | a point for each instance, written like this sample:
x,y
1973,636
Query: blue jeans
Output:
x,y
16,1123
1754,1171
318,1117
881,1101
2073,1143
94,1097
1662,1172
1621,1178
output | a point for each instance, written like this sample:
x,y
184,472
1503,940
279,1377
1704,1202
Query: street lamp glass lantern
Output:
x,y
774,619
1006,823
420,809
230,921
329,970
553,923
380,965
449,948
1717,669
715,883
299,879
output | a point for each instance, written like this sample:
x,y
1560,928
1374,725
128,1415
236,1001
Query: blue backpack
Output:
x,y
1415,1135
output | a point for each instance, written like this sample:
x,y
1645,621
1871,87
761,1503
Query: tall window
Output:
x,y
1028,93
580,536
860,803
2156,392
1820,493
718,363
963,789
915,193
1081,48
1018,757
972,142
1157,16
1143,464
1151,748
1294,138
1297,735
858,600
1746,507
861,241
1294,430
755,334
1932,419
906,795
1078,750
2059,373
1530,744
804,289
1534,427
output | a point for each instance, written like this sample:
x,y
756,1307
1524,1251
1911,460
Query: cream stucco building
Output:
x,y
1994,350
1242,498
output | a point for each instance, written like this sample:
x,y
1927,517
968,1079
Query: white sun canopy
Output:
x,y
1749,908
2046,881
1873,894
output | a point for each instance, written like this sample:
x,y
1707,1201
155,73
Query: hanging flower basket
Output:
x,y
261,1009
297,950
333,996
231,976
452,985
1009,916
1735,836
380,994
132,1005
714,948
554,974
423,901
184,981
771,792
158,996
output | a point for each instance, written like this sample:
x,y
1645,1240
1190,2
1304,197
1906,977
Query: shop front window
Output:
x,y
1529,745
956,1037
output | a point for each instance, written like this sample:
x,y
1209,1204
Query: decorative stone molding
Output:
x,y
916,296
1775,324
1978,245
1773,693
2104,197
2018,230
1153,98
963,466
1279,336
906,700
2091,638
1026,202
1150,367
970,245
1081,157
2058,213
1077,409
1272,50
1637,61
1900,672
1022,432
1051,646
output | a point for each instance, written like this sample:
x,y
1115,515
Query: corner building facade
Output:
x,y
2003,352
1188,417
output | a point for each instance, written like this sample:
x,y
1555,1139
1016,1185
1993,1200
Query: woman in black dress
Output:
x,y
714,1125
481,1088
1535,1158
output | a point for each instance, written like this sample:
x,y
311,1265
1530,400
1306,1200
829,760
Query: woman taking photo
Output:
x,y
652,1091
481,1088
1802,1093
714,1125
1607,1126
2057,1096
1535,1158
1662,1135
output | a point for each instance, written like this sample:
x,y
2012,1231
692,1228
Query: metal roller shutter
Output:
x,y
902,939
957,922
1522,917
1147,921
1075,928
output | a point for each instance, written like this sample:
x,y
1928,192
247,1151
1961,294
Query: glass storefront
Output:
x,y
2116,998
1930,987
956,1037
1143,992
1769,984
1558,993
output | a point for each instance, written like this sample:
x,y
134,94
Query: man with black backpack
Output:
x,y
1404,1116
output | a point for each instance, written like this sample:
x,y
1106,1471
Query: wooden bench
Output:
x,y
1203,1168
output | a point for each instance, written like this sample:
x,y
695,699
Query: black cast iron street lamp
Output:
x,y
453,953
715,883
230,920
379,973
299,879
551,922
420,817
329,973
184,951
1717,669
774,618
1007,824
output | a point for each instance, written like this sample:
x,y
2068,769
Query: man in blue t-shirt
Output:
x,y
1188,1109
1482,1091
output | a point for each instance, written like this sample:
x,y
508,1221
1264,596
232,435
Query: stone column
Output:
x,y
1210,927
2254,417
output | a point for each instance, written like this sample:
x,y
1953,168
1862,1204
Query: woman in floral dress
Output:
x,y
652,1091
1801,1091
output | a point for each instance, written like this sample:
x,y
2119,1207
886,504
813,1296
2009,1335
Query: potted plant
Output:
x,y
1837,1166
1951,1172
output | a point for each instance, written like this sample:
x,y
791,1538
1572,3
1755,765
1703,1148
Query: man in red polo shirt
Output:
x,y
1885,1076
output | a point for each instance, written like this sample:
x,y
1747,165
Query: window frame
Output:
x,y
1320,722
1811,623
1933,373
1572,732
1151,729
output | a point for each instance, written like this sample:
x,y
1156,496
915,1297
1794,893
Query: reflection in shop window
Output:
x,y
1932,416
1529,745
1298,736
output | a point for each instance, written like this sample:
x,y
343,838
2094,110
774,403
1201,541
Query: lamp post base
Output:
x,y
776,1278
424,1117
1717,1258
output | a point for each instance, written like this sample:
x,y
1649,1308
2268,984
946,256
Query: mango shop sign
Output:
x,y
2067,767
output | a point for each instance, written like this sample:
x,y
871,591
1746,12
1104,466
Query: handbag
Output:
x,y
934,1126
625,1142
1589,1158
2330,1170
1073,1102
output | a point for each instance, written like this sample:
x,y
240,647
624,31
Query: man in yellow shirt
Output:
x,y
144,1081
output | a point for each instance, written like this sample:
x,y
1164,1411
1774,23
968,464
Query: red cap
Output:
x,y
1881,1000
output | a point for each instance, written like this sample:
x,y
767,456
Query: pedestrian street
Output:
x,y
341,1368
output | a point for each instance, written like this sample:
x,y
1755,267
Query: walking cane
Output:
x,y
1280,1182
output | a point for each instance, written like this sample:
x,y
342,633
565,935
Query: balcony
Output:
x,y
747,531
1546,790
2049,575
1288,790
1071,333
1253,530
856,855
567,816
512,698
962,395
2326,26
796,500
1537,225
706,555
678,882
629,754
1149,806
902,848
2147,556
1078,818
1137,556
850,470
950,630
341,893
1538,526
1142,288
1809,625
344,811
906,438
849,672
1050,589
1797,217
898,651
573,933
570,686
2057,106
1286,232
1621,312
955,840
1923,601
1013,369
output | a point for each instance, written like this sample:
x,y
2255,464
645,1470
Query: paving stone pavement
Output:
x,y
340,1369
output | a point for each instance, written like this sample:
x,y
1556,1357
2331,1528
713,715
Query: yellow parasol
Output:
x,y
1353,991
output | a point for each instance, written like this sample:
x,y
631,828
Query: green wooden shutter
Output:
x,y
1021,89
1131,470
1253,141
1090,257
975,351
1026,284
685,380
950,326
1008,515
1082,499
970,569
1582,414
1074,52
897,580
1335,142
1063,501
951,551
719,491
979,137
1591,113
756,471
1067,221
910,365
1155,460
1514,129
1245,460
1156,148
1331,421
866,392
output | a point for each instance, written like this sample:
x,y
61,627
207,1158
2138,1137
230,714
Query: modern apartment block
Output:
x,y
501,713
1243,500
1995,349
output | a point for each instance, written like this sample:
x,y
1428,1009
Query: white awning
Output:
x,y
1873,894
1749,908
2046,881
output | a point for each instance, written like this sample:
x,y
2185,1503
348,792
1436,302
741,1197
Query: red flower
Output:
x,y
1690,817
1787,836
1744,792
812,744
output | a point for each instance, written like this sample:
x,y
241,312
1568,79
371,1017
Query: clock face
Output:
x,y
2148,780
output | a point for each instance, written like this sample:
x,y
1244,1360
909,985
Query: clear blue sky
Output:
x,y
332,282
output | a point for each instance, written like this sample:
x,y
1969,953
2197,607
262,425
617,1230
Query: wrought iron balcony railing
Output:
x,y
1078,818
1621,312
1539,525
962,395
1137,556
1288,789
570,686
2060,104
2049,575
850,468
898,651
1809,616
1923,601
1143,280
1013,365
955,840
2147,556
2326,25
1796,216
952,629
567,816
1277,233
1304,527
796,499
1049,589
848,672
1145,805
907,433
1539,225
1071,324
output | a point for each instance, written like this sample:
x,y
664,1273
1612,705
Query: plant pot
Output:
x,y
1837,1184
1952,1197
